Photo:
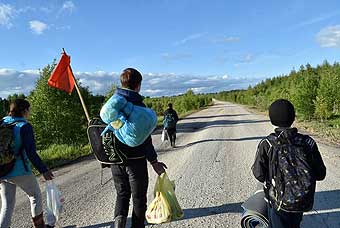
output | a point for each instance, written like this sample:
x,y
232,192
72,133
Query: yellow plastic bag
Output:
x,y
165,206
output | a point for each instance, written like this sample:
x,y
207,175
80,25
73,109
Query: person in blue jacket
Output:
x,y
131,177
21,175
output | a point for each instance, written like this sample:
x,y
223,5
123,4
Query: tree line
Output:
x,y
314,91
58,118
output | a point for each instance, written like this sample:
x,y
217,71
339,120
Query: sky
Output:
x,y
206,46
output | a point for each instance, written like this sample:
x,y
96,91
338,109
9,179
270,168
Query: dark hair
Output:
x,y
131,78
18,107
170,105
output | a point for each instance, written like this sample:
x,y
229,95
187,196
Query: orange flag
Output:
x,y
62,76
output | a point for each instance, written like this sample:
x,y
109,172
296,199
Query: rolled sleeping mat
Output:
x,y
255,213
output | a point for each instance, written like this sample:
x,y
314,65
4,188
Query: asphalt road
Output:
x,y
211,168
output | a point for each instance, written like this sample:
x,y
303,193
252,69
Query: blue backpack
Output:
x,y
169,121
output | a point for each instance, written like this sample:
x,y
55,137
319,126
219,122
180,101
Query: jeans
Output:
x,y
131,179
8,186
281,219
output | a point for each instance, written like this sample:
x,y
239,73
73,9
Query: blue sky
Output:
x,y
206,46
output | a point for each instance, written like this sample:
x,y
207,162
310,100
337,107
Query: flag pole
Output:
x,y
79,94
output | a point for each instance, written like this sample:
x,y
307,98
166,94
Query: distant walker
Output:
x,y
169,123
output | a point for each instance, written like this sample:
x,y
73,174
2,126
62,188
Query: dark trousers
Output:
x,y
172,135
131,179
281,219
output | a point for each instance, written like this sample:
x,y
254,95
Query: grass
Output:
x,y
328,130
58,155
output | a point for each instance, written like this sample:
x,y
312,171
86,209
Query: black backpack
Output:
x,y
169,121
104,147
7,156
292,184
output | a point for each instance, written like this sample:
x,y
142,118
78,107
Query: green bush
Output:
x,y
56,155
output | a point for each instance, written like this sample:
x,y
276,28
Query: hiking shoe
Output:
x,y
120,221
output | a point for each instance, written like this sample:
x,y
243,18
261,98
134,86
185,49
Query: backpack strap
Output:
x,y
272,140
21,149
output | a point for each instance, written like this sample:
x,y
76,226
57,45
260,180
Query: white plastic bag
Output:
x,y
54,203
164,135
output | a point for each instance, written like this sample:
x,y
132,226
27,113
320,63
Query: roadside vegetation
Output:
x,y
314,91
59,122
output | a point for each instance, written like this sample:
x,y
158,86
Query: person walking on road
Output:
x,y
289,164
170,121
20,173
131,177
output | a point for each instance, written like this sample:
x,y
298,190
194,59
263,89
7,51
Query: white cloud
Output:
x,y
5,72
13,81
315,20
26,10
68,6
248,58
174,84
6,15
329,36
31,72
231,39
153,84
174,57
38,27
228,39
189,38
153,92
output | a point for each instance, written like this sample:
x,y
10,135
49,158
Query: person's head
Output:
x,y
170,105
19,108
282,113
131,79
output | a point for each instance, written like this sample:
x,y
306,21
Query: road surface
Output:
x,y
211,168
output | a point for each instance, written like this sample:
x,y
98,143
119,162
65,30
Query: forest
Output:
x,y
314,91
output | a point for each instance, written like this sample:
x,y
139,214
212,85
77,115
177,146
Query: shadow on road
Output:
x,y
326,211
325,204
194,126
102,225
167,149
218,116
222,140
207,211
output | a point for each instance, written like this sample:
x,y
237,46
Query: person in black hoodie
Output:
x,y
267,168
170,122
131,177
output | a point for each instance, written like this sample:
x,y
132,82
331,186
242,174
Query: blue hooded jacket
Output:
x,y
23,135
134,138
130,123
